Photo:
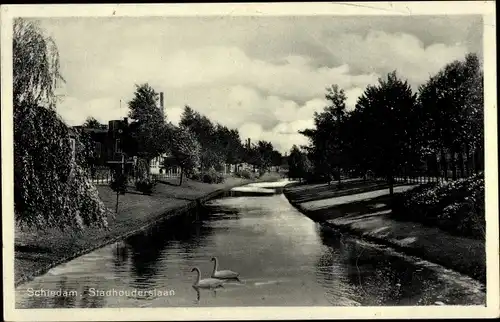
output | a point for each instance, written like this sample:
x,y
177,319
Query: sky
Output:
x,y
265,76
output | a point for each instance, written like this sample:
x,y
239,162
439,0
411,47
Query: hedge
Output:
x,y
455,206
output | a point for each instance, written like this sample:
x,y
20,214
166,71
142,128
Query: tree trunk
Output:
x,y
474,160
480,159
444,163
182,174
454,164
467,161
461,163
437,168
117,196
391,189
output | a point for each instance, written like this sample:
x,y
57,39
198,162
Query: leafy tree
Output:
x,y
265,154
149,123
276,158
299,165
88,148
92,123
326,138
452,108
229,143
188,117
50,187
205,132
185,149
386,113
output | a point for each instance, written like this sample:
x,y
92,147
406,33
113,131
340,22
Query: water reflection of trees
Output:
x,y
147,249
89,300
377,276
331,267
385,278
55,301
121,254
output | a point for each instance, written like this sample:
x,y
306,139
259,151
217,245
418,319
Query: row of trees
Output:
x,y
51,186
197,143
394,131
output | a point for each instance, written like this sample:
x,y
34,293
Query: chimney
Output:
x,y
162,107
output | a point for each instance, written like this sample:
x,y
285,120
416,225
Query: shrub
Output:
x,y
212,176
456,206
245,174
195,175
145,185
119,183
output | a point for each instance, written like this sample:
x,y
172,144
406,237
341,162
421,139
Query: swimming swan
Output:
x,y
210,283
226,274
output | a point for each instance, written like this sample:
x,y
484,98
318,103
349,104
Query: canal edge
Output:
x,y
385,242
166,215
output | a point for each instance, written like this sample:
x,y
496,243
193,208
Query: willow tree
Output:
x,y
51,189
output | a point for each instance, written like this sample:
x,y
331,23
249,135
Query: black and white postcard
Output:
x,y
249,161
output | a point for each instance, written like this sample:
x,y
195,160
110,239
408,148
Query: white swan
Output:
x,y
226,274
210,283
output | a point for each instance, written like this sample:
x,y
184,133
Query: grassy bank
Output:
x,y
369,216
37,251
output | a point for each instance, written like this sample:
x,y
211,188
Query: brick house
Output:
x,y
108,145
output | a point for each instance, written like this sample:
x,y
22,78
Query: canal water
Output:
x,y
284,259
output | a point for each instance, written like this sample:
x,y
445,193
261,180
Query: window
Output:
x,y
118,147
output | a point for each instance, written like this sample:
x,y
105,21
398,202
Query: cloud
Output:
x,y
380,52
264,76
283,136
75,111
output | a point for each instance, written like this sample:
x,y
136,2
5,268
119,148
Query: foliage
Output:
x,y
386,112
220,144
452,109
36,73
456,206
51,189
326,138
195,175
265,152
299,165
393,131
229,142
119,182
93,123
212,176
145,185
184,148
141,169
245,174
148,129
